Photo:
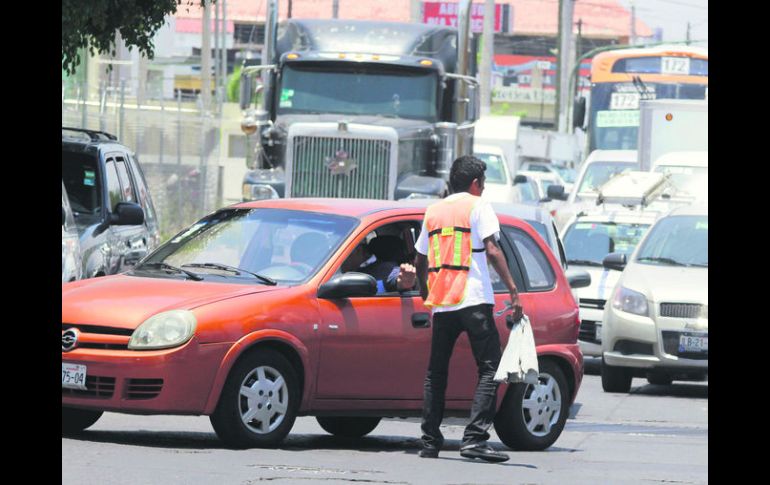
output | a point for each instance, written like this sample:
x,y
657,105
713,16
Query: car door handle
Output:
x,y
421,320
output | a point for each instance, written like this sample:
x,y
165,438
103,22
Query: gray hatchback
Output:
x,y
110,202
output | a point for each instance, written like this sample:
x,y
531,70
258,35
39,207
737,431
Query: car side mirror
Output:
x,y
578,278
519,179
347,285
616,261
556,191
127,214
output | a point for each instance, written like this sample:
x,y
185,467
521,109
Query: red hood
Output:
x,y
127,301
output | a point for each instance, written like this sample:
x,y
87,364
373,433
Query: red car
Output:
x,y
247,317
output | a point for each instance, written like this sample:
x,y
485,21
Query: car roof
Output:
x,y
684,158
618,214
347,207
539,175
482,148
611,156
690,210
79,139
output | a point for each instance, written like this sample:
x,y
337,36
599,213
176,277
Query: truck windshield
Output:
x,y
359,90
615,110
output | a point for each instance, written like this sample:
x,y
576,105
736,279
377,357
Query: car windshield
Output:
x,y
236,245
598,173
567,174
495,172
688,180
359,90
83,184
677,241
589,242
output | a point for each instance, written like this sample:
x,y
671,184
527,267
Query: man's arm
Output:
x,y
421,266
497,258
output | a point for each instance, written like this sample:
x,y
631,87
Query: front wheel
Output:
x,y
259,401
616,379
76,420
532,417
348,426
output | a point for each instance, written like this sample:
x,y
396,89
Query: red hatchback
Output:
x,y
247,317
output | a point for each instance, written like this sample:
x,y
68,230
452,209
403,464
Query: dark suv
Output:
x,y
108,194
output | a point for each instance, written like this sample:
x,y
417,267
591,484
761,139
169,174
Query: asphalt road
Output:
x,y
654,434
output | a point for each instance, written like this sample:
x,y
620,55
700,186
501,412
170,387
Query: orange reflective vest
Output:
x,y
448,223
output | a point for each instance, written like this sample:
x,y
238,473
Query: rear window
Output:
x,y
537,272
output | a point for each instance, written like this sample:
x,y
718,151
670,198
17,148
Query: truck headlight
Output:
x,y
164,330
259,192
630,301
417,195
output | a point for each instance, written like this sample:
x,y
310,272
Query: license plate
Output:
x,y
693,343
73,376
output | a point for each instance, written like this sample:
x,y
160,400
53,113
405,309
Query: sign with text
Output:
x,y
445,13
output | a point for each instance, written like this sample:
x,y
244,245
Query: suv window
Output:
x,y
129,194
141,189
113,183
538,274
82,180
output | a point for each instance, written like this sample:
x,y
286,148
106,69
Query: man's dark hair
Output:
x,y
464,170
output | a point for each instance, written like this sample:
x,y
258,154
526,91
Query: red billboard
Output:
x,y
445,13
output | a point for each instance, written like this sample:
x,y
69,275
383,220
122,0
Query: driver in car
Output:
x,y
390,276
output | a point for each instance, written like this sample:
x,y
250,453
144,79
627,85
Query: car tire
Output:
x,y
525,421
616,379
259,401
76,420
659,378
348,426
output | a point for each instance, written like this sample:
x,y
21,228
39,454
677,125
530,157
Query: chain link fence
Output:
x,y
176,142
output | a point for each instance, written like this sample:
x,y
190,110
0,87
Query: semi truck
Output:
x,y
358,109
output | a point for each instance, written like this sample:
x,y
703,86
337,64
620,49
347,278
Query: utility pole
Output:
x,y
688,33
288,14
335,9
563,68
206,58
632,39
487,56
217,52
415,7
223,64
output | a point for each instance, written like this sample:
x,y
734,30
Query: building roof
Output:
x,y
600,18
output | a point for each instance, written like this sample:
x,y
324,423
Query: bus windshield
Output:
x,y
359,90
615,110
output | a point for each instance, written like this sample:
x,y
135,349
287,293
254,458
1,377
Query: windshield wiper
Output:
x,y
232,269
662,260
584,262
162,265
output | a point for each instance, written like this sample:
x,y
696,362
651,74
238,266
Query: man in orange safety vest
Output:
x,y
459,233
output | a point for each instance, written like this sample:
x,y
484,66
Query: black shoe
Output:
x,y
429,452
484,452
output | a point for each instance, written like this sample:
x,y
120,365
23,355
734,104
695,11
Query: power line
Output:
x,y
685,4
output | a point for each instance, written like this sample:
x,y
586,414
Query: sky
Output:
x,y
672,16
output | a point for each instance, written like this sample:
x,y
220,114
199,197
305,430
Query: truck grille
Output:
x,y
680,310
312,177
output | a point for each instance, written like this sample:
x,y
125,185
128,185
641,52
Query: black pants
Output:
x,y
485,342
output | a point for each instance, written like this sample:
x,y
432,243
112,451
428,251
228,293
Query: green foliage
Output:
x,y
234,85
92,24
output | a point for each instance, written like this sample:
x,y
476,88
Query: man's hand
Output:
x,y
407,277
518,311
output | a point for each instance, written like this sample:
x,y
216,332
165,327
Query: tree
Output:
x,y
92,24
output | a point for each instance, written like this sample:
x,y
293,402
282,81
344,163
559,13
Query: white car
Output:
x,y
498,185
588,238
594,172
566,175
688,172
656,323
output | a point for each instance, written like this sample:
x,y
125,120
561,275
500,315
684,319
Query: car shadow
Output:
x,y
677,389
206,442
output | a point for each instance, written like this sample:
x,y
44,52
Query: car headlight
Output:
x,y
630,301
164,330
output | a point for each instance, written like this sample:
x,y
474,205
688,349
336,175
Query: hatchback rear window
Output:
x,y
538,274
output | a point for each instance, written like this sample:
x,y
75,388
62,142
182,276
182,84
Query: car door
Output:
x,y
374,348
131,240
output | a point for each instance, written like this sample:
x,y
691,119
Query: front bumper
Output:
x,y
642,342
590,336
169,381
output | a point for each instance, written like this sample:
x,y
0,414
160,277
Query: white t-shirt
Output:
x,y
478,289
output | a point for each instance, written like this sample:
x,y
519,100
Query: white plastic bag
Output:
x,y
519,360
